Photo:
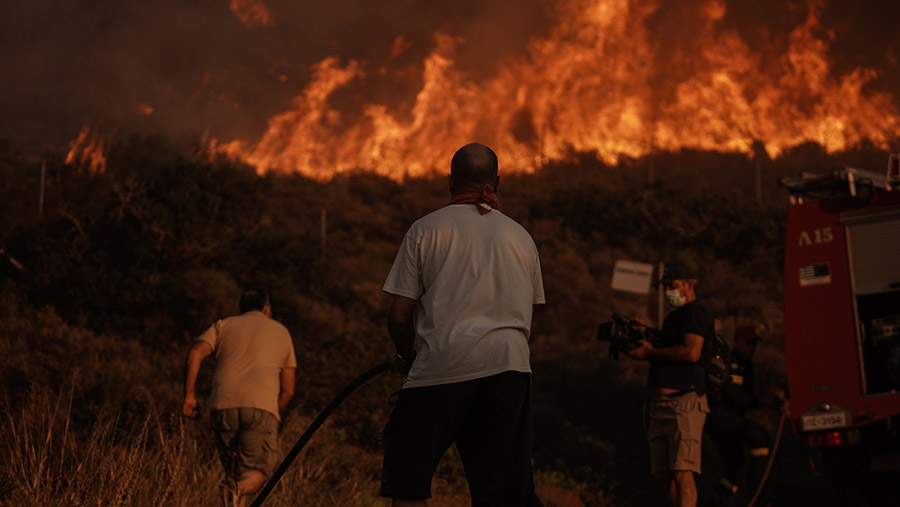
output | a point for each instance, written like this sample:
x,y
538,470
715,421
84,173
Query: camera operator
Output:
x,y
676,386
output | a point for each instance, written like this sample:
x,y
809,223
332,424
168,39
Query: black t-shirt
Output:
x,y
692,318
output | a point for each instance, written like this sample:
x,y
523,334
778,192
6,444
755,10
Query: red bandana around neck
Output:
x,y
484,202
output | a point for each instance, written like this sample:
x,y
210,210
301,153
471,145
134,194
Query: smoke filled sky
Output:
x,y
226,67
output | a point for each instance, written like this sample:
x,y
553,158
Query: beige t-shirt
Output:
x,y
476,278
250,349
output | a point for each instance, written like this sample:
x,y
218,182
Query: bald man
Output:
x,y
470,275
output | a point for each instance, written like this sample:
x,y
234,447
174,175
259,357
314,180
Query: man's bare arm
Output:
x,y
198,351
402,331
288,382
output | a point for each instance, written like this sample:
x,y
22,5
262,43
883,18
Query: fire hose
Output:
x,y
762,482
289,458
383,367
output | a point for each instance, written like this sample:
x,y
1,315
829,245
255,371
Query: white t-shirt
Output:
x,y
250,349
476,278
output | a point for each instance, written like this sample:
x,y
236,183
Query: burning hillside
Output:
x,y
286,86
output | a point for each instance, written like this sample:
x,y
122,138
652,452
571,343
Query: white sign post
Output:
x,y
633,277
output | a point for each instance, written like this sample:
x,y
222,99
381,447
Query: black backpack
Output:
x,y
715,360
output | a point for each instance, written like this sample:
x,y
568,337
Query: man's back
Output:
x,y
476,278
250,350
470,275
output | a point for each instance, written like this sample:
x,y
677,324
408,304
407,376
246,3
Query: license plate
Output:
x,y
824,421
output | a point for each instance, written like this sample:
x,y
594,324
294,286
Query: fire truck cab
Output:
x,y
842,311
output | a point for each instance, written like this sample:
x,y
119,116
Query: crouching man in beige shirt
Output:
x,y
253,381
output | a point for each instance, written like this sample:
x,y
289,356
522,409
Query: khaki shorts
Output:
x,y
247,439
675,432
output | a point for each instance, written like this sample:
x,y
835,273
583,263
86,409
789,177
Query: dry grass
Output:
x,y
326,472
158,463
48,465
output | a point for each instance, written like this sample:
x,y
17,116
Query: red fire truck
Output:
x,y
842,313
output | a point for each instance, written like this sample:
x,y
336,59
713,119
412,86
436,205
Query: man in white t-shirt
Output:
x,y
470,275
252,383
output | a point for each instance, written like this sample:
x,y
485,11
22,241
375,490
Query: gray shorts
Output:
x,y
247,439
675,432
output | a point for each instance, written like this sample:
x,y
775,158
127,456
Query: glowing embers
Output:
x,y
252,13
88,151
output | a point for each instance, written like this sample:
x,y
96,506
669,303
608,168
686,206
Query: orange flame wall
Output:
x,y
593,84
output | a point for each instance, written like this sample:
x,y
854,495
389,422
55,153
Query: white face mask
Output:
x,y
674,298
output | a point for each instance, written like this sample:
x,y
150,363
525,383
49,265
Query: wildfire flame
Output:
x,y
589,86
252,13
145,109
88,151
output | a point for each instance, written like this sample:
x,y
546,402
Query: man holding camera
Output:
x,y
677,386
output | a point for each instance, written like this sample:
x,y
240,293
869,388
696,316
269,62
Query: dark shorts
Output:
x,y
247,439
490,421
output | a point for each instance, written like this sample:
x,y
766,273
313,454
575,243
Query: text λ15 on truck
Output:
x,y
842,313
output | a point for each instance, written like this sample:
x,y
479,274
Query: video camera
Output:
x,y
622,335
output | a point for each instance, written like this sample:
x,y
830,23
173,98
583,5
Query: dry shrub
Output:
x,y
212,294
558,490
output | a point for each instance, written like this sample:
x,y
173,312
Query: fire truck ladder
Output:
x,y
844,182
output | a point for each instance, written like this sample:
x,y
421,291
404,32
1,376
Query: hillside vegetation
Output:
x,y
125,268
